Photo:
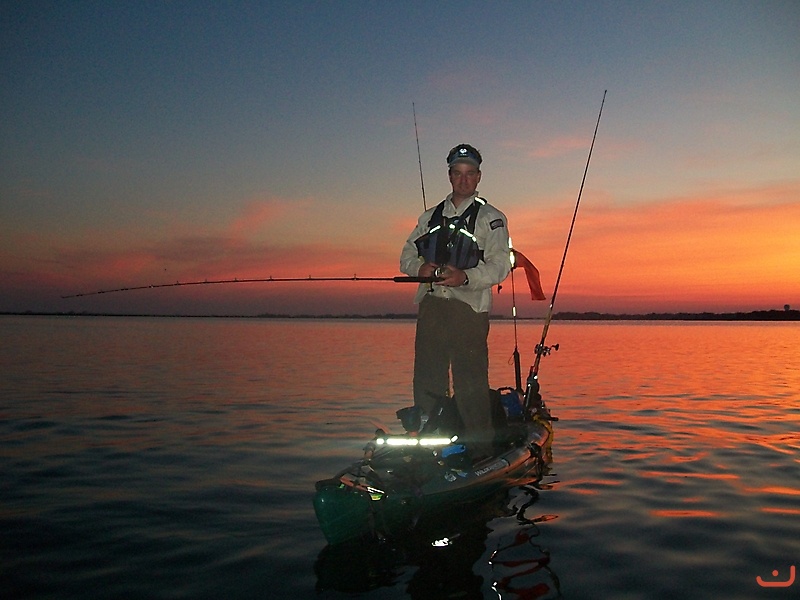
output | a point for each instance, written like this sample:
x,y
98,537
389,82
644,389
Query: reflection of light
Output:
x,y
781,511
441,543
680,514
774,489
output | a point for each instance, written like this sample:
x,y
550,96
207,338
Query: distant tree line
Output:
x,y
757,315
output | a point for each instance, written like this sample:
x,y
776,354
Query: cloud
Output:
x,y
559,146
256,217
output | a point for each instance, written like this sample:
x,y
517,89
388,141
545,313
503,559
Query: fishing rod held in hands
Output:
x,y
399,279
532,397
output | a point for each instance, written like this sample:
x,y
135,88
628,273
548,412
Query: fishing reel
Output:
x,y
542,350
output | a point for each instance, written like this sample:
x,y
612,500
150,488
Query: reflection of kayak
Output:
x,y
403,476
437,555
437,558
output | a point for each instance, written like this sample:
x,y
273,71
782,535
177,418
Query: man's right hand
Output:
x,y
427,270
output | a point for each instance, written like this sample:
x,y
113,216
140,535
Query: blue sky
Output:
x,y
144,142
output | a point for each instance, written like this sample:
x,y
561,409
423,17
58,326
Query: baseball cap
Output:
x,y
464,153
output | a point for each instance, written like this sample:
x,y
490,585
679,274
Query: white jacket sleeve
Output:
x,y
492,230
410,260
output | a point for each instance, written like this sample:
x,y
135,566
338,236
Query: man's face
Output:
x,y
464,178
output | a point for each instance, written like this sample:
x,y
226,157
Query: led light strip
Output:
x,y
413,441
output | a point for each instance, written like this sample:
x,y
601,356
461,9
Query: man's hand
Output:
x,y
428,270
451,276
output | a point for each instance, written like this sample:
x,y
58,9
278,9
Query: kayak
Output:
x,y
402,477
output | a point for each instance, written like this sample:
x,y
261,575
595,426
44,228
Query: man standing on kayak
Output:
x,y
463,242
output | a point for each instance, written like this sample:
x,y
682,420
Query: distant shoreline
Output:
x,y
757,315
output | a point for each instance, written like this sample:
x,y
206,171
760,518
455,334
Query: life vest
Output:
x,y
452,241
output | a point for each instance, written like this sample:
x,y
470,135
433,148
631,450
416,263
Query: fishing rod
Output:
x,y
398,279
419,159
516,357
532,391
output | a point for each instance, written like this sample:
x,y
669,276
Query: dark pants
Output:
x,y
450,335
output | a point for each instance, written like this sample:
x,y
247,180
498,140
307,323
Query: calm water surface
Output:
x,y
176,458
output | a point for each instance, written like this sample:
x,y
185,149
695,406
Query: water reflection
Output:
x,y
177,457
463,553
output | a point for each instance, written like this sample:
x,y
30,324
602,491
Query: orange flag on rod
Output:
x,y
531,274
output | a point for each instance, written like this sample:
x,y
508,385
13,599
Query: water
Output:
x,y
176,458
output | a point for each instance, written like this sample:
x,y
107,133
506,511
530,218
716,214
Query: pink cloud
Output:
x,y
258,216
559,146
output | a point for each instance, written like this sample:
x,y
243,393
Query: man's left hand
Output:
x,y
453,277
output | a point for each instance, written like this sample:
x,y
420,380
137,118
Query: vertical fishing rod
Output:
x,y
419,158
517,366
541,349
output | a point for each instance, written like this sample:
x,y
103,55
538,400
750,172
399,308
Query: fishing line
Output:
x,y
419,159
541,349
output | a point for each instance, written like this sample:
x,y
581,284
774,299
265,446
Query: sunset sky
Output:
x,y
153,142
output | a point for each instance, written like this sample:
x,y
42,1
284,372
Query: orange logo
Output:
x,y
778,583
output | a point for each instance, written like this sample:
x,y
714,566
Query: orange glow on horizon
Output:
x,y
712,253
